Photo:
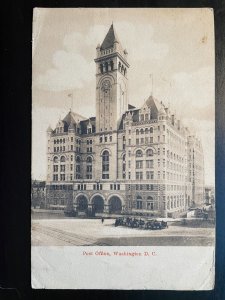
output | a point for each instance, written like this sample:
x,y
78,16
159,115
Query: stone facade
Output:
x,y
126,158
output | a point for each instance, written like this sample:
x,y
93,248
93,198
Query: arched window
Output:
x,y
151,129
146,130
142,131
139,153
137,131
62,159
149,152
105,165
55,159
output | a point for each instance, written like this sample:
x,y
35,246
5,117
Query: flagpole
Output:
x,y
151,76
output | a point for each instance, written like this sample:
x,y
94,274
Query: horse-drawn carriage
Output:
x,y
140,223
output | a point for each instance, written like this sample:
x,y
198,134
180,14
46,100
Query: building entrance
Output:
x,y
97,204
82,203
115,205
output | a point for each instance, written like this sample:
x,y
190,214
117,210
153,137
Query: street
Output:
x,y
90,232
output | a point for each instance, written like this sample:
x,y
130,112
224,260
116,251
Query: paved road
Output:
x,y
91,232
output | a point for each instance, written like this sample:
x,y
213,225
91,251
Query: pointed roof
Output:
x,y
73,118
110,38
155,105
69,119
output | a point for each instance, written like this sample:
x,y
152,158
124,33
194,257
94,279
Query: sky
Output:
x,y
175,45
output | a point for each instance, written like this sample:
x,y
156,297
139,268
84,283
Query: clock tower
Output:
x,y
111,83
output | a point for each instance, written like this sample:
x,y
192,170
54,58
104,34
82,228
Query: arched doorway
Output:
x,y
82,203
98,204
115,205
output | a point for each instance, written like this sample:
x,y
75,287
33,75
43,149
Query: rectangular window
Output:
x,y
71,167
89,169
149,163
62,177
139,175
150,205
139,204
71,147
151,139
139,164
110,138
137,141
62,168
129,142
105,139
105,176
142,140
105,168
71,139
55,168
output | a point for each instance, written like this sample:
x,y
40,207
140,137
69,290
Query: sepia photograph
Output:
x,y
123,130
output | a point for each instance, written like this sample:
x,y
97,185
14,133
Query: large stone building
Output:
x,y
126,159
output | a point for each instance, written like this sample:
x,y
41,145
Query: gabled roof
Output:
x,y
110,38
155,106
73,118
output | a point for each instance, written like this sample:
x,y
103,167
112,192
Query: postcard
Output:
x,y
123,142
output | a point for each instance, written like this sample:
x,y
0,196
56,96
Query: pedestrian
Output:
x,y
102,220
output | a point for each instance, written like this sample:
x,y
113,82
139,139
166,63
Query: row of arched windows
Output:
x,y
59,141
146,131
107,66
140,153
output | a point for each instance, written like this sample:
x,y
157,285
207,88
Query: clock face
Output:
x,y
106,85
